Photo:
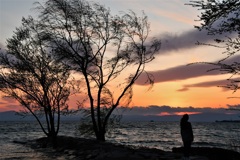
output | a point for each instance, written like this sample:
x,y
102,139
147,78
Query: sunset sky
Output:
x,y
176,84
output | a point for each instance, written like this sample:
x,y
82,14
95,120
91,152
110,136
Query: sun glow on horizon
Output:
x,y
179,113
173,113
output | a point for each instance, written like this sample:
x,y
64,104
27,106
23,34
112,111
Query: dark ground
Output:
x,y
72,148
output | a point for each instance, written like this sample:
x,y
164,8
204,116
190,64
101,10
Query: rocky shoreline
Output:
x,y
72,148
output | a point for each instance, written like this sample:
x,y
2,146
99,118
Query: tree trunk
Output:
x,y
101,137
52,133
101,134
52,138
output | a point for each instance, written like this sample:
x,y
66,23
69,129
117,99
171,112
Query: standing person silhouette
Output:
x,y
187,135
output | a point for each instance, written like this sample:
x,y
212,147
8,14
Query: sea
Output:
x,y
160,135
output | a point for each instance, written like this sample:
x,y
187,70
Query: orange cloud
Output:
x,y
177,113
164,114
189,113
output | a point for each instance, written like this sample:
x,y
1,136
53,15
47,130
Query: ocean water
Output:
x,y
161,135
166,135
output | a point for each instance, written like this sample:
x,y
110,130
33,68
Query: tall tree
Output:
x,y
109,52
223,17
30,75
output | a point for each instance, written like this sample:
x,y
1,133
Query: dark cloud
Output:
x,y
219,83
186,40
234,107
185,72
167,113
157,110
178,73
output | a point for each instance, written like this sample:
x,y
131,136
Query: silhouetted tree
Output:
x,y
219,16
109,52
30,75
222,17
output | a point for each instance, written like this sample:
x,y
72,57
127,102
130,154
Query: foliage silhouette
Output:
x,y
30,75
109,53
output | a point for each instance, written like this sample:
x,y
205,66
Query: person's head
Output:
x,y
184,119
